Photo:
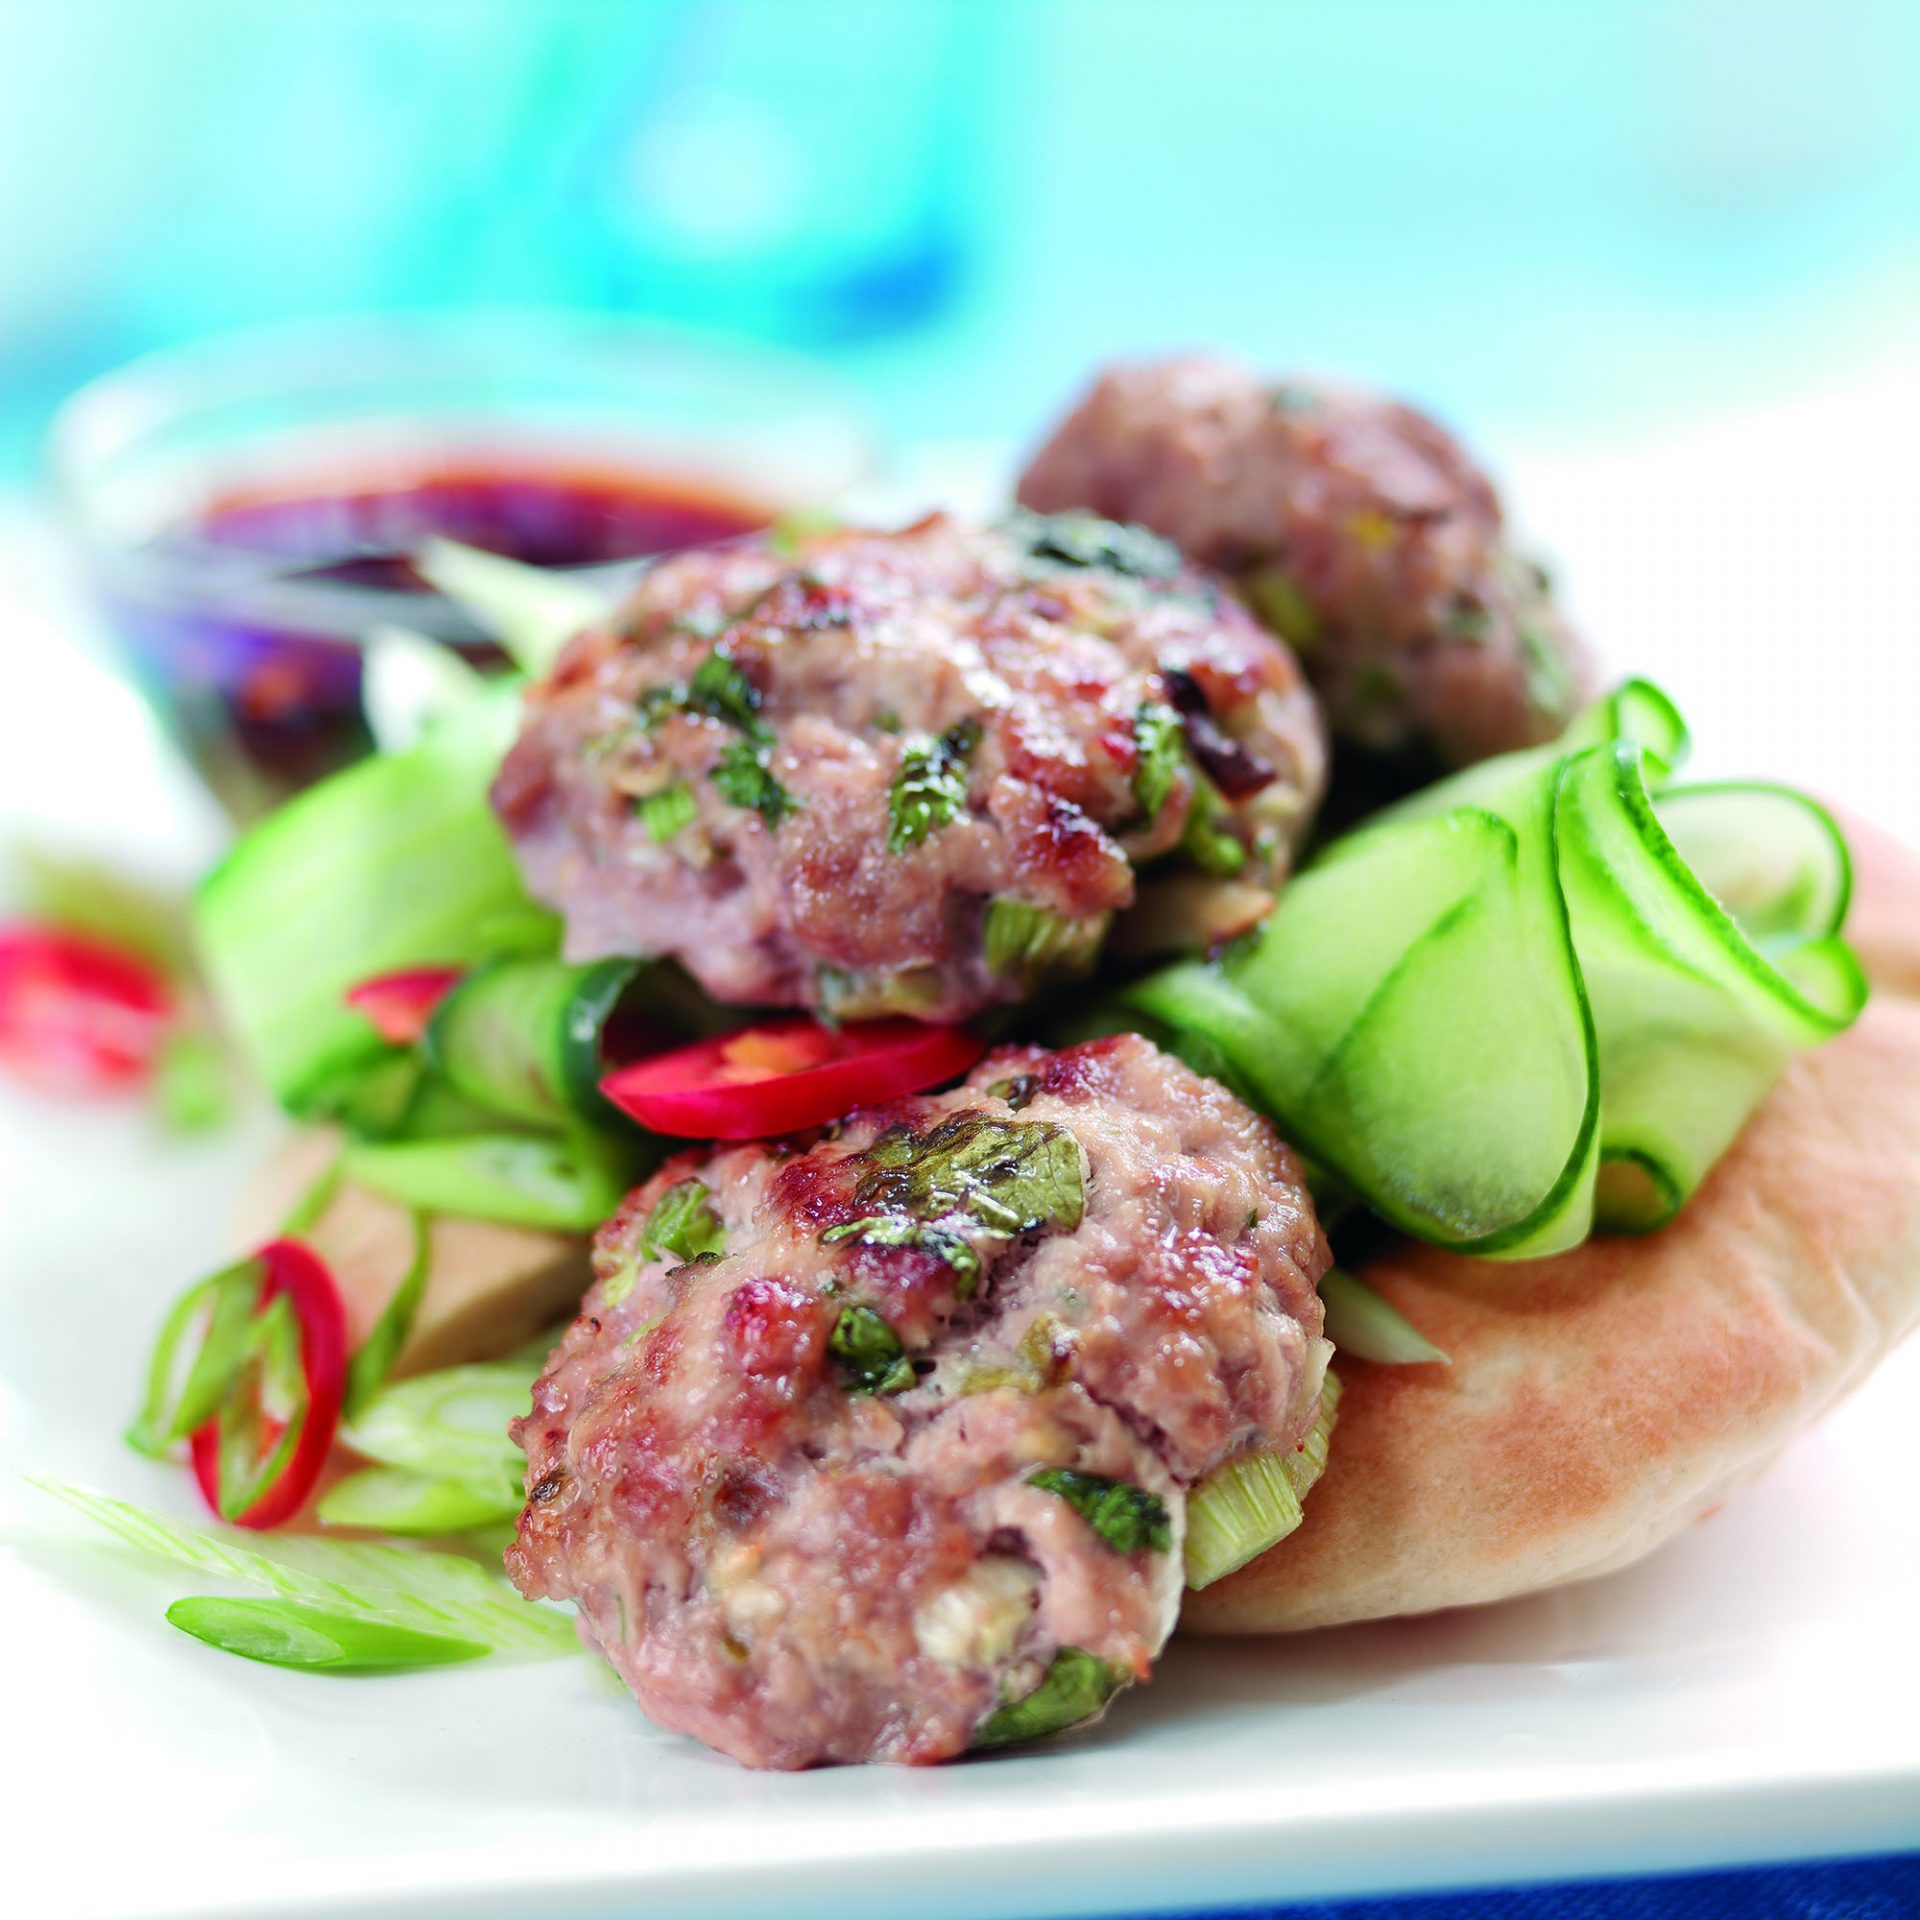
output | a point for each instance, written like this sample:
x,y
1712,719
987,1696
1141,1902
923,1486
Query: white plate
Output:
x,y
1751,1693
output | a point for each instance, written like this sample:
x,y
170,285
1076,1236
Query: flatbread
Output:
x,y
1601,1400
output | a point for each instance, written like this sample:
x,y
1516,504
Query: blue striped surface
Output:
x,y
1880,1889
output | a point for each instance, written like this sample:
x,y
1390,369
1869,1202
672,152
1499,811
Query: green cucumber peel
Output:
x,y
521,1037
289,1633
396,862
1541,995
426,1592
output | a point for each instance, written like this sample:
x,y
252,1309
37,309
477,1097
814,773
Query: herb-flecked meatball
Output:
x,y
906,772
879,1450
1357,527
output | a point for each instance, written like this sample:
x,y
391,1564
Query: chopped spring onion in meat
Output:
x,y
449,1425
1359,1322
1076,538
1252,1502
397,862
1514,942
1160,741
398,1500
570,1184
896,1230
1205,841
1128,1518
289,1633
931,787
523,1037
1009,1176
743,774
666,812
869,1351
684,1224
436,1593
1025,941
532,612
1077,1685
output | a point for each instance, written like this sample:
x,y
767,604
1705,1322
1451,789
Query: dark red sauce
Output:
x,y
241,623
576,517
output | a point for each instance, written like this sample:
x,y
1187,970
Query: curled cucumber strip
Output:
x,y
1540,996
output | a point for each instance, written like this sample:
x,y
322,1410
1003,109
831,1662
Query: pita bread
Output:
x,y
1601,1400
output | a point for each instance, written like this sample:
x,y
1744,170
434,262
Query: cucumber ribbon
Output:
x,y
1538,997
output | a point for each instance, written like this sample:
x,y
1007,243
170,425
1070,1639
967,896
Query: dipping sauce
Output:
x,y
252,659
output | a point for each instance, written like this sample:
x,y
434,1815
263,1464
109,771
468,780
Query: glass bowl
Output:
x,y
245,506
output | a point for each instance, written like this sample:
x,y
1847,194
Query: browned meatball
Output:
x,y
879,1450
908,772
1358,528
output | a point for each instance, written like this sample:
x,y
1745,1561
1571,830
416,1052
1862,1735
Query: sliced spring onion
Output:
x,y
1510,1007
373,1359
570,1184
436,1593
195,1357
397,862
450,1425
1359,1322
532,613
398,1500
409,682
1077,1685
289,1633
192,1081
522,1037
666,812
1253,1501
86,897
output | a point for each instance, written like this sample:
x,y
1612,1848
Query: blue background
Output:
x,y
1537,214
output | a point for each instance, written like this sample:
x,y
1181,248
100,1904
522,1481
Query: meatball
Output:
x,y
1358,529
910,772
879,1450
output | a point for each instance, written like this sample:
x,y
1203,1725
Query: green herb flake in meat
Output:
x,y
1128,1518
931,786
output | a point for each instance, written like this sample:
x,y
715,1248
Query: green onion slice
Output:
x,y
434,1593
568,1184
1253,1501
532,612
289,1633
449,1425
1359,1322
398,1500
